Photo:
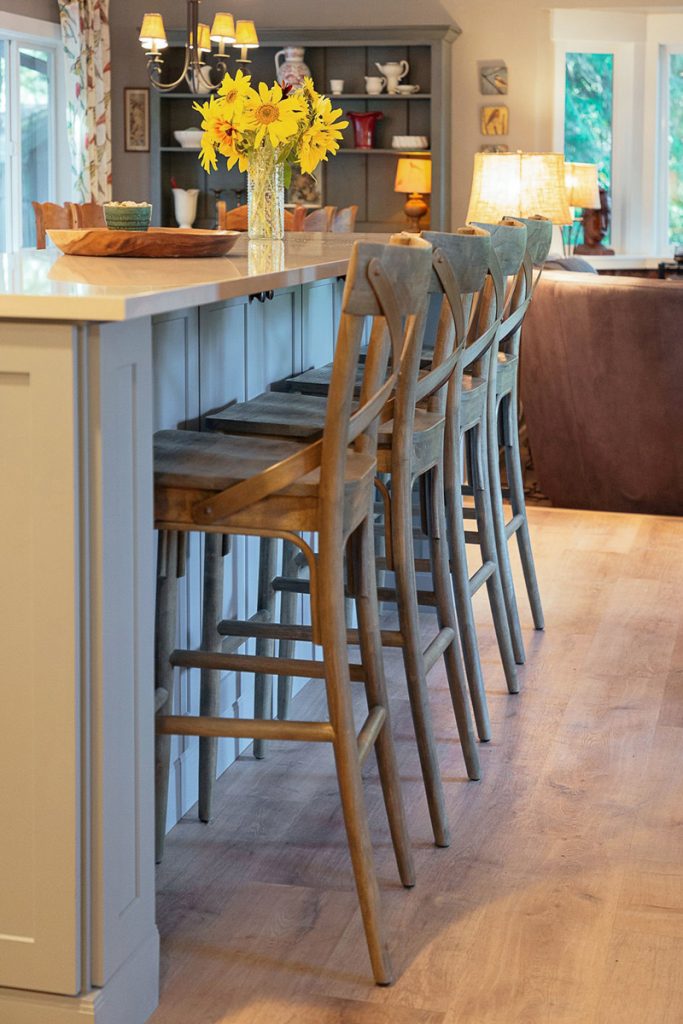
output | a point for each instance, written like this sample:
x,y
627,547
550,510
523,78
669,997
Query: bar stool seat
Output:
x,y
191,465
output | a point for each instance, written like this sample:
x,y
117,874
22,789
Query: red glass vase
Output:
x,y
364,127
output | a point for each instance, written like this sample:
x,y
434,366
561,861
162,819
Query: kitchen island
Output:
x,y
95,354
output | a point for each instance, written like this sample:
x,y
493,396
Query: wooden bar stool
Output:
x,y
212,483
87,215
411,450
467,417
503,427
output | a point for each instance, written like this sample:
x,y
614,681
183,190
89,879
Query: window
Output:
x,y
32,130
674,145
589,90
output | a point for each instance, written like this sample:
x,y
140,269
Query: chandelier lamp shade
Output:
x,y
197,70
519,185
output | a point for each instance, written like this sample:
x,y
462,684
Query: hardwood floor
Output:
x,y
560,899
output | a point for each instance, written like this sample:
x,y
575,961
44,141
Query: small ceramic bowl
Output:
x,y
409,142
407,90
189,138
127,216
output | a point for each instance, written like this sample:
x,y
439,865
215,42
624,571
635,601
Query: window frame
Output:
x,y
625,178
662,155
26,33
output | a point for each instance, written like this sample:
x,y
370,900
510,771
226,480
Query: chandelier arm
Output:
x,y
166,86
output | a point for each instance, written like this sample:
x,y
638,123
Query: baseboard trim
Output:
x,y
129,997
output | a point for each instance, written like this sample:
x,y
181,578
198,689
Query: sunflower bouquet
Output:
x,y
267,132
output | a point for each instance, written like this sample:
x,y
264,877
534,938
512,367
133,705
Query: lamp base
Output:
x,y
415,208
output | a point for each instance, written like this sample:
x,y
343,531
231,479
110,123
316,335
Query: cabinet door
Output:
x,y
273,344
318,322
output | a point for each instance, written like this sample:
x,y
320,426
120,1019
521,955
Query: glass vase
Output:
x,y
266,195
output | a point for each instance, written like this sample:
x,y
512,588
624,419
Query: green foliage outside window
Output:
x,y
676,148
589,90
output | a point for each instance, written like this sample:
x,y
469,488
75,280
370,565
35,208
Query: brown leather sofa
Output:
x,y
602,391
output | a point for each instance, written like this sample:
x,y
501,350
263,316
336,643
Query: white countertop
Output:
x,y
45,285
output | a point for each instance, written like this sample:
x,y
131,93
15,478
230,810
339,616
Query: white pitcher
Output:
x,y
394,71
185,204
290,67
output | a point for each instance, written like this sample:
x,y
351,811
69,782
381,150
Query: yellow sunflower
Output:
x,y
220,124
322,137
271,116
237,88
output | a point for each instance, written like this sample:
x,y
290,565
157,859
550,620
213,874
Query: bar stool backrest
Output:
x,y
509,242
389,284
460,269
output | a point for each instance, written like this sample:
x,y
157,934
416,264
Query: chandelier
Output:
x,y
196,71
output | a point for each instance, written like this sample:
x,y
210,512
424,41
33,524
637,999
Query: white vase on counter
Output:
x,y
185,205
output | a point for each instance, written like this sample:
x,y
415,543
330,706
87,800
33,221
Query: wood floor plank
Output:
x,y
560,899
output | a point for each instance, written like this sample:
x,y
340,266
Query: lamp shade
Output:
x,y
152,32
413,174
223,28
518,185
245,35
582,185
203,37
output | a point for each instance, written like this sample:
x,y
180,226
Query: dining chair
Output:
x,y
344,220
50,215
237,219
87,215
279,488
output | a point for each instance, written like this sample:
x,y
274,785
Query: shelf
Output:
x,y
343,96
383,152
180,149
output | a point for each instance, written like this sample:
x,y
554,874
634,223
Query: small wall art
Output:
x,y
136,120
498,148
494,120
493,77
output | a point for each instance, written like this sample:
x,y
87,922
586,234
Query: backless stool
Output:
x,y
216,484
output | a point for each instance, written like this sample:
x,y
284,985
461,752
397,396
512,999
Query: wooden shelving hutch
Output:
x,y
365,177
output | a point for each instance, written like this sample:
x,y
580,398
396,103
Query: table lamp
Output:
x,y
518,185
582,193
414,176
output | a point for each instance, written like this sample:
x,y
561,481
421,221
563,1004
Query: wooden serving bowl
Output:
x,y
156,243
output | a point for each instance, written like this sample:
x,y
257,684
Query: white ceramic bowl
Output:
x,y
409,142
189,138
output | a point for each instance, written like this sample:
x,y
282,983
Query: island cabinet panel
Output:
x,y
41,666
120,581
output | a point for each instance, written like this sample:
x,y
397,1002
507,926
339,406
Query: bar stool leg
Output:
x,y
461,589
482,503
409,624
513,461
288,606
375,688
335,651
457,682
500,534
164,643
265,647
210,679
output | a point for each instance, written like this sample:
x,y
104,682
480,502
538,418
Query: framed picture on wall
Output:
x,y
494,120
305,190
136,120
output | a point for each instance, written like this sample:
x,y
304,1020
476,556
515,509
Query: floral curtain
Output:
x,y
85,35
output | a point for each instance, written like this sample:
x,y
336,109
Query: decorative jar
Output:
x,y
266,194
364,123
290,67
